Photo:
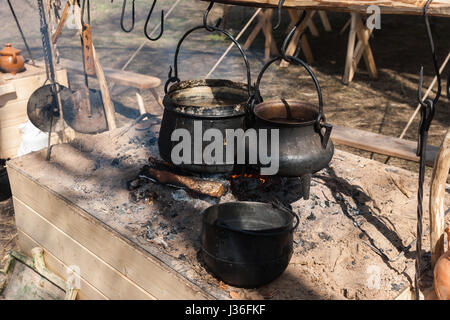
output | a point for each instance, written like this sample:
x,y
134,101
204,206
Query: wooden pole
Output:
x,y
437,199
107,103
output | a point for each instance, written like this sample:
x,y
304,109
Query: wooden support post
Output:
x,y
264,25
295,38
270,45
349,68
107,102
325,22
226,9
363,35
362,49
140,102
312,27
437,199
157,97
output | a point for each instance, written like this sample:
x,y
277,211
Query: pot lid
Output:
x,y
8,50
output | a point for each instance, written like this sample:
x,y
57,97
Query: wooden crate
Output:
x,y
14,94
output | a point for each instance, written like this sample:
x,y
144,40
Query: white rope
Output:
x,y
231,45
426,95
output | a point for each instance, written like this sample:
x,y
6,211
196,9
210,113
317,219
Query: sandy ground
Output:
x,y
382,105
354,207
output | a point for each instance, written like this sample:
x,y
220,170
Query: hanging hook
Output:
x,y
289,37
205,18
148,20
123,14
280,4
434,58
88,12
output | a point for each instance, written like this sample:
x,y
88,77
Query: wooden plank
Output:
x,y
87,291
126,78
436,8
102,276
378,143
437,199
122,254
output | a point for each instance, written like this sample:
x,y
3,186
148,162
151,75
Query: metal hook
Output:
x,y
434,58
148,20
289,37
280,5
205,18
88,12
123,14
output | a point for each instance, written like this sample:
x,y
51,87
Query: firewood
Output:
x,y
210,188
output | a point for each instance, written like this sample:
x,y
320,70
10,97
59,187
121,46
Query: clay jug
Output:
x,y
442,273
11,60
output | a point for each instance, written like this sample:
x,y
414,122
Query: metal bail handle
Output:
x,y
210,29
320,121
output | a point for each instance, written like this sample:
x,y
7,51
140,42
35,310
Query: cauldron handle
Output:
x,y
320,121
209,28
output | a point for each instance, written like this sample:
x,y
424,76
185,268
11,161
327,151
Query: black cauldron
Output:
x,y
212,103
247,244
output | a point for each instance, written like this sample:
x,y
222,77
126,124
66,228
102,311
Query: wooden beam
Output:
x,y
363,36
349,67
120,253
436,8
325,22
125,78
437,199
381,144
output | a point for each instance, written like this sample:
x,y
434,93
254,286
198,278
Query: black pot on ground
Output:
x,y
247,244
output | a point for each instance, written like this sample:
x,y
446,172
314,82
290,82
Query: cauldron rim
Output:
x,y
292,102
222,111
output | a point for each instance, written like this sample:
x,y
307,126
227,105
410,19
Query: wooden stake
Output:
x,y
437,199
107,103
349,68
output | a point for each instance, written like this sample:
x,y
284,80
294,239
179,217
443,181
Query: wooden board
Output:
x,y
378,143
103,242
101,275
436,8
87,291
13,105
126,78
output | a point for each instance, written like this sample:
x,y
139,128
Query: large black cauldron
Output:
x,y
247,244
215,103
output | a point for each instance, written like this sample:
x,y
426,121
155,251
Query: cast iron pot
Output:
x,y
247,244
305,146
215,103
